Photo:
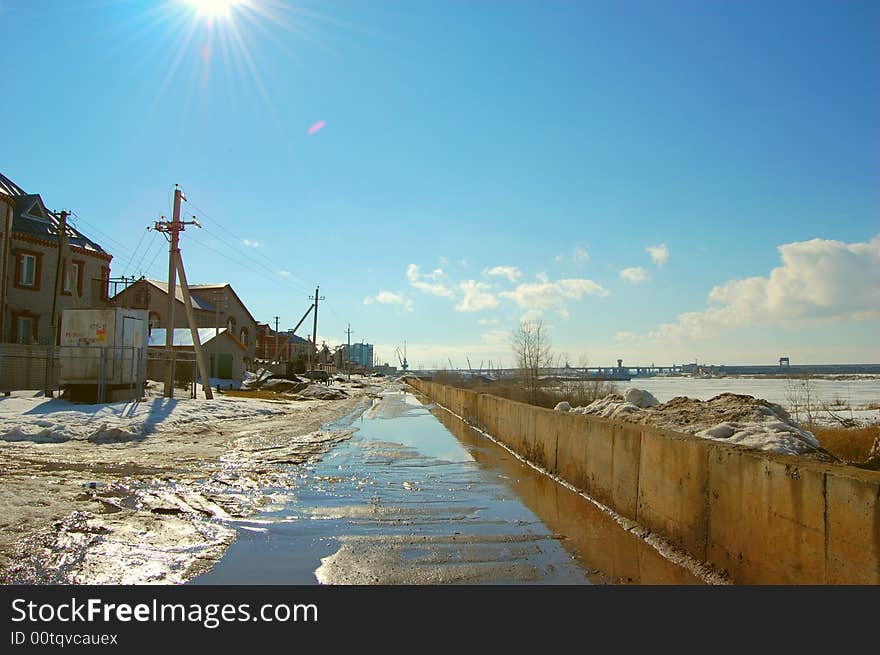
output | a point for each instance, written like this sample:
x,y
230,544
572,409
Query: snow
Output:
x,y
640,398
731,418
847,397
28,417
857,393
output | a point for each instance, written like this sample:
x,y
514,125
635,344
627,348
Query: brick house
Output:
x,y
214,306
29,248
280,346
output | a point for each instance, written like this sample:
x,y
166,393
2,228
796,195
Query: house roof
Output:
x,y
197,302
183,337
9,187
31,217
223,285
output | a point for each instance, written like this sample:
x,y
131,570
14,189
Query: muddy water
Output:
x,y
418,497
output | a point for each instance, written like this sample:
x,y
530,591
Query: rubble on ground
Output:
x,y
564,406
728,417
321,392
284,385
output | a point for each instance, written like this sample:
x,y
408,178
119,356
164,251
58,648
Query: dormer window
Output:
x,y
37,213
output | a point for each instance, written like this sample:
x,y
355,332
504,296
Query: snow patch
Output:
x,y
732,418
640,398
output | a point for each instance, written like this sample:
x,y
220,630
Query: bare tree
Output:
x,y
531,347
801,396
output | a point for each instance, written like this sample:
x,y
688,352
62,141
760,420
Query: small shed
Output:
x,y
224,354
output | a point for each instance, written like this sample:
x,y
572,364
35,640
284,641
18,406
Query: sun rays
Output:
x,y
218,48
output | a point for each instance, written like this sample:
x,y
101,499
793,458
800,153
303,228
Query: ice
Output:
x,y
640,398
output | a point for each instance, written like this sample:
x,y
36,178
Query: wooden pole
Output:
x,y
173,249
194,331
4,283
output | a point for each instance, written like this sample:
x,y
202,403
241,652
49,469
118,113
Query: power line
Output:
x,y
118,246
274,278
239,241
136,249
147,254
236,248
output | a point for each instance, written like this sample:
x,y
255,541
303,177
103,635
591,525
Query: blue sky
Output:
x,y
556,140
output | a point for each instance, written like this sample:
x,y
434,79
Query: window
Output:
x,y
244,336
71,278
27,270
230,325
154,320
25,326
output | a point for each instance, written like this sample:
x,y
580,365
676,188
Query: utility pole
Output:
x,y
348,353
175,264
173,248
276,334
313,356
59,285
6,216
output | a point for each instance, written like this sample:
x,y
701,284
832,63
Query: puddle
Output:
x,y
416,496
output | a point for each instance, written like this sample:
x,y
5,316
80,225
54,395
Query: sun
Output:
x,y
213,8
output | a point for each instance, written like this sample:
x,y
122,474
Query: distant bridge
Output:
x,y
622,372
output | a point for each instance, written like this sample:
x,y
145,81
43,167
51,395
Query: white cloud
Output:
x,y
444,261
512,273
635,275
419,281
389,298
476,297
579,255
285,274
819,280
498,338
659,253
251,244
489,321
546,295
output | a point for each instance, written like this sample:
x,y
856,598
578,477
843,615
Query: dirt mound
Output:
x,y
321,392
283,385
734,418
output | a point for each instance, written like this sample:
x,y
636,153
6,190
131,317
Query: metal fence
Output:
x,y
95,372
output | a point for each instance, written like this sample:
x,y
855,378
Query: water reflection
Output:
x,y
609,553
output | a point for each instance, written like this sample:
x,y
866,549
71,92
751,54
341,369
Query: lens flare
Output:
x,y
213,8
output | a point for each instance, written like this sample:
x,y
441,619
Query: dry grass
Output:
x,y
848,444
577,394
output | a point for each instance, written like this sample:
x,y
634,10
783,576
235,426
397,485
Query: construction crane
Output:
x,y
402,358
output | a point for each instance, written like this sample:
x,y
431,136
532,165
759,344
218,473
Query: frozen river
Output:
x,y
857,394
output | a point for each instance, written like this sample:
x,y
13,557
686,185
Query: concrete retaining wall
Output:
x,y
760,517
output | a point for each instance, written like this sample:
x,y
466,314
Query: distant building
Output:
x,y
29,246
281,346
361,354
